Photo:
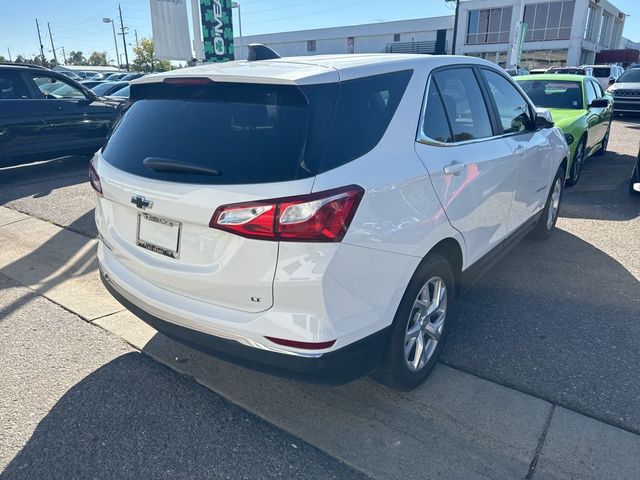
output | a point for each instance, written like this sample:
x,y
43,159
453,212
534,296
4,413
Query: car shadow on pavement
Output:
x,y
603,191
42,190
132,418
559,320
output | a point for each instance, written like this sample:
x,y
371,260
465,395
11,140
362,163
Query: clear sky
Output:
x,y
77,24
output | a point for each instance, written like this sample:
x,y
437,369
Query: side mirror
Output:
x,y
600,103
612,81
544,118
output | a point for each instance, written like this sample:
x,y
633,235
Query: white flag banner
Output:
x,y
171,39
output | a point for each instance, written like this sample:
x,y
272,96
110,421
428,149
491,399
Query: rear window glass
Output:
x,y
248,133
602,72
251,133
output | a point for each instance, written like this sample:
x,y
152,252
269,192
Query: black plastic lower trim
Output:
x,y
339,366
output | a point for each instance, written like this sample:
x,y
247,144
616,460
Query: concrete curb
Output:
x,y
455,426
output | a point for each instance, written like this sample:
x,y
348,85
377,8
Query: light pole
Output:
x,y
115,39
455,25
237,5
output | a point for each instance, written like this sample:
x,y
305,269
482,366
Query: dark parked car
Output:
x,y
44,114
114,77
107,88
634,184
132,76
91,83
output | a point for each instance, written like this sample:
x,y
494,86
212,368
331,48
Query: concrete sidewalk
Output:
x,y
455,426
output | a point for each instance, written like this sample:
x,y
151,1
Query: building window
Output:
x,y
589,34
543,58
605,29
396,37
311,45
549,21
489,26
615,34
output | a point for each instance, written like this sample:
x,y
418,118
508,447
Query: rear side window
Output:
x,y
12,87
436,125
364,109
464,104
602,72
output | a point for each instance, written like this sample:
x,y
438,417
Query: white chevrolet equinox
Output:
x,y
321,214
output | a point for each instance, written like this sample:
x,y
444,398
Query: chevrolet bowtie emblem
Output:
x,y
141,202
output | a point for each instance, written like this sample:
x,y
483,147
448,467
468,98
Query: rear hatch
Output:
x,y
182,150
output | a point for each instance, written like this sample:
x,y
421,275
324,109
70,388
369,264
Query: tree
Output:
x,y
98,58
2,59
76,58
146,61
22,59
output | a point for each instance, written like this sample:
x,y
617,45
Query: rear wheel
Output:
x,y
420,326
549,217
578,161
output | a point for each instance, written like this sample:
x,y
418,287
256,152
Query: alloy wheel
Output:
x,y
426,323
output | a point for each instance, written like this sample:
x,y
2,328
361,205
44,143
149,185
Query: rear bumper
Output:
x,y
337,366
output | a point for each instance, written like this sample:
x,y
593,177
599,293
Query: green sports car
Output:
x,y
579,107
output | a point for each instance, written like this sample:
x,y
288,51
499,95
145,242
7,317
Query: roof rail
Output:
x,y
258,51
28,65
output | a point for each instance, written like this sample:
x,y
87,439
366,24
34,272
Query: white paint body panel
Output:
x,y
314,292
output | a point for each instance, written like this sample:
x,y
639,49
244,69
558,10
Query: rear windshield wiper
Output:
x,y
168,165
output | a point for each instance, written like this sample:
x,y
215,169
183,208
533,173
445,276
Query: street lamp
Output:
x,y
115,40
237,5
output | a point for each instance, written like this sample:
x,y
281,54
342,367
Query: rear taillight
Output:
x,y
317,217
94,179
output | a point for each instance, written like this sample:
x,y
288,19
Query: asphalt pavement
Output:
x,y
78,403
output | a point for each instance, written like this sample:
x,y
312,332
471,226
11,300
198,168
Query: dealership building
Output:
x,y
559,32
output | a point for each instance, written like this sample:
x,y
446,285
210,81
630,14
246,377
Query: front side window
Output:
x,y
591,93
55,88
513,109
554,93
464,104
12,87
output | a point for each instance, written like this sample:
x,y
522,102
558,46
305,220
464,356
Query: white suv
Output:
x,y
320,214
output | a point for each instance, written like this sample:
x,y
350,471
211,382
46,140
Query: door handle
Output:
x,y
454,168
519,150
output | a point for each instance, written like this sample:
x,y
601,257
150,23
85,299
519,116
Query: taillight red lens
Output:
x,y
94,179
317,217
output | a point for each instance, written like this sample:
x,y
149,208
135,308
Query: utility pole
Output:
x,y
9,50
455,28
136,33
124,38
64,56
40,40
53,49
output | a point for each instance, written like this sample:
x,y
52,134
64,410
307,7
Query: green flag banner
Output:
x,y
217,30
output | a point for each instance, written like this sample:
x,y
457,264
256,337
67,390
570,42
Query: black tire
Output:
x,y
577,163
543,228
605,143
394,370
